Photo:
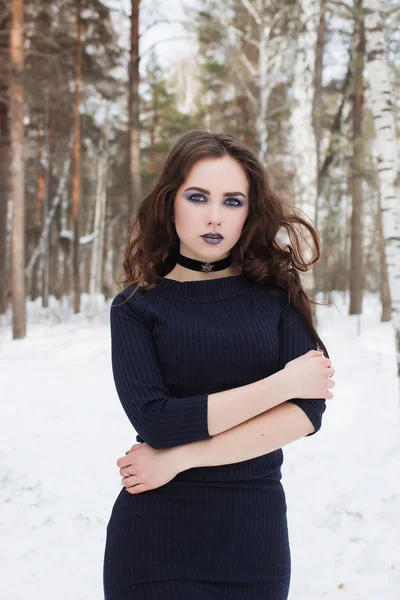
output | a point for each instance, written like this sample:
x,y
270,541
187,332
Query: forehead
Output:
x,y
218,173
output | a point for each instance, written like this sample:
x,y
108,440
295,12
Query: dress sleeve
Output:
x,y
160,420
295,339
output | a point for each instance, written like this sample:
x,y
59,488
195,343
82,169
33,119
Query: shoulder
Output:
x,y
271,290
127,295
136,303
278,298
128,302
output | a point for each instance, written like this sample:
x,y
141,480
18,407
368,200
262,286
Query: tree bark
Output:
x,y
384,280
303,138
135,190
76,161
17,174
387,153
96,272
4,176
357,168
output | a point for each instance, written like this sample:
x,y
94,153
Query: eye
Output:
x,y
194,196
199,197
238,203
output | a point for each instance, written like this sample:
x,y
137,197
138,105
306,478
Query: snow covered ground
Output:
x,y
63,428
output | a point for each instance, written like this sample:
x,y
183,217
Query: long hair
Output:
x,y
153,243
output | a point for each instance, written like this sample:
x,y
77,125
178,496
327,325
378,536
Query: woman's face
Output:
x,y
213,199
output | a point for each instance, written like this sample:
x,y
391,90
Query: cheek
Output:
x,y
183,214
238,221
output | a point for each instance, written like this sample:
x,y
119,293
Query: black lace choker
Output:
x,y
206,267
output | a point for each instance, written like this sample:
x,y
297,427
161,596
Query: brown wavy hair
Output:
x,y
153,243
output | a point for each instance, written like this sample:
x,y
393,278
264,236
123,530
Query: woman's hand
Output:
x,y
144,468
310,375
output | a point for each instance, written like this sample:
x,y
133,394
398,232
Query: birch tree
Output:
x,y
254,47
303,140
387,152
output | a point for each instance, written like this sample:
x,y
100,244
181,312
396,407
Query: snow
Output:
x,y
63,428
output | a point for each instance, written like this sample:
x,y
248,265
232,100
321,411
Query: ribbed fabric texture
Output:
x,y
174,345
171,348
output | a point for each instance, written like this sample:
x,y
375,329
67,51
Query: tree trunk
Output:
x,y
76,161
17,175
135,191
303,138
4,176
46,200
99,217
318,90
357,168
56,201
384,280
387,152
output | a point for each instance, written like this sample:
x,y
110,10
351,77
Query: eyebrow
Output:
x,y
208,192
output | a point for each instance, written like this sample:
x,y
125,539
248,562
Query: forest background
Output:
x,y
93,94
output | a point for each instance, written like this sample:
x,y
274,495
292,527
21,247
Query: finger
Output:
x,y
124,461
123,472
129,481
137,489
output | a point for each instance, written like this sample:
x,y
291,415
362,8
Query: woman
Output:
x,y
215,362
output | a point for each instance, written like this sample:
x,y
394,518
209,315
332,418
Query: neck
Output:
x,y
189,269
181,274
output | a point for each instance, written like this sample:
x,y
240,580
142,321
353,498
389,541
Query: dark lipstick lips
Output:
x,y
216,235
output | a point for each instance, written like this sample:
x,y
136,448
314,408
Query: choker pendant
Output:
x,y
207,267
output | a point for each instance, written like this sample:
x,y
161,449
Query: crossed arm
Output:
x,y
260,435
181,424
274,428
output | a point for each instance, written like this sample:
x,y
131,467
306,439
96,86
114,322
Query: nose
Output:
x,y
213,216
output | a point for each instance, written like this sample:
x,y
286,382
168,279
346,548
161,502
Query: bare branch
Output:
x,y
238,32
279,109
390,11
244,36
253,100
340,3
250,8
158,21
252,70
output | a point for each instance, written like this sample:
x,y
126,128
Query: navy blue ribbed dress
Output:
x,y
212,532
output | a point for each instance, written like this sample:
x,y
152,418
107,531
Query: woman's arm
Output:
x,y
295,339
276,427
262,434
143,468
165,421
